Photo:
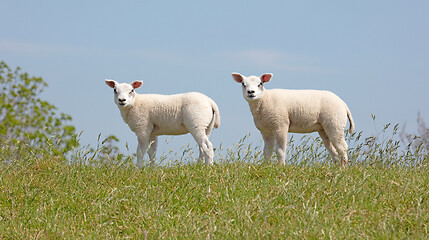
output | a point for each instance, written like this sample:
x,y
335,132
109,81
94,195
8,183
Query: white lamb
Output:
x,y
279,111
151,115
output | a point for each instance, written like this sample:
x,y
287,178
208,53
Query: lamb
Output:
x,y
152,115
279,111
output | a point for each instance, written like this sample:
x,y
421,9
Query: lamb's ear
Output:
x,y
266,77
137,84
238,77
111,83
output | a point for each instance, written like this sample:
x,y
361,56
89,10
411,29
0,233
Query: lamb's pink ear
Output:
x,y
266,77
111,83
238,77
137,84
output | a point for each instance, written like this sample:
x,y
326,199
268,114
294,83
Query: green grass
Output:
x,y
49,199
382,194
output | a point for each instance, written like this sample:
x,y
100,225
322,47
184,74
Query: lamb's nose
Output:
x,y
121,99
251,92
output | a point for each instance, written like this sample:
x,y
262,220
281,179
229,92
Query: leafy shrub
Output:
x,y
28,124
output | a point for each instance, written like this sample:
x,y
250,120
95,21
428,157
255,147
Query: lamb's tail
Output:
x,y
352,123
216,114
215,118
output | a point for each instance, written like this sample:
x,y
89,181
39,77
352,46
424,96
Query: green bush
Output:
x,y
28,124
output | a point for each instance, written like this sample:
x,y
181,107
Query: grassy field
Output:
x,y
48,199
237,198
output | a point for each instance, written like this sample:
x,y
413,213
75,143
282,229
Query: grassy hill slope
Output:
x,y
46,198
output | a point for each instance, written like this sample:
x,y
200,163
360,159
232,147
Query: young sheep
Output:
x,y
279,111
151,115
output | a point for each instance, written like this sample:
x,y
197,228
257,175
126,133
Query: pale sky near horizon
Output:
x,y
373,54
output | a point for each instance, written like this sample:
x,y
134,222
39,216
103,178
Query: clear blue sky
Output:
x,y
373,54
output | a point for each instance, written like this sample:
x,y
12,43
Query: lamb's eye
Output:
x,y
242,84
260,84
114,90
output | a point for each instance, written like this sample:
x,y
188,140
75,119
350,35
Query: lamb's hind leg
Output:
x,y
339,142
205,146
328,144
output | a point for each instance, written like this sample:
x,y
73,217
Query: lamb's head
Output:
x,y
124,92
253,87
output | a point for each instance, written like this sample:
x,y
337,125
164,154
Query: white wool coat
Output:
x,y
299,111
170,114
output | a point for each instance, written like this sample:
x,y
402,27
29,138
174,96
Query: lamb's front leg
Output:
x,y
153,144
268,146
143,143
281,143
